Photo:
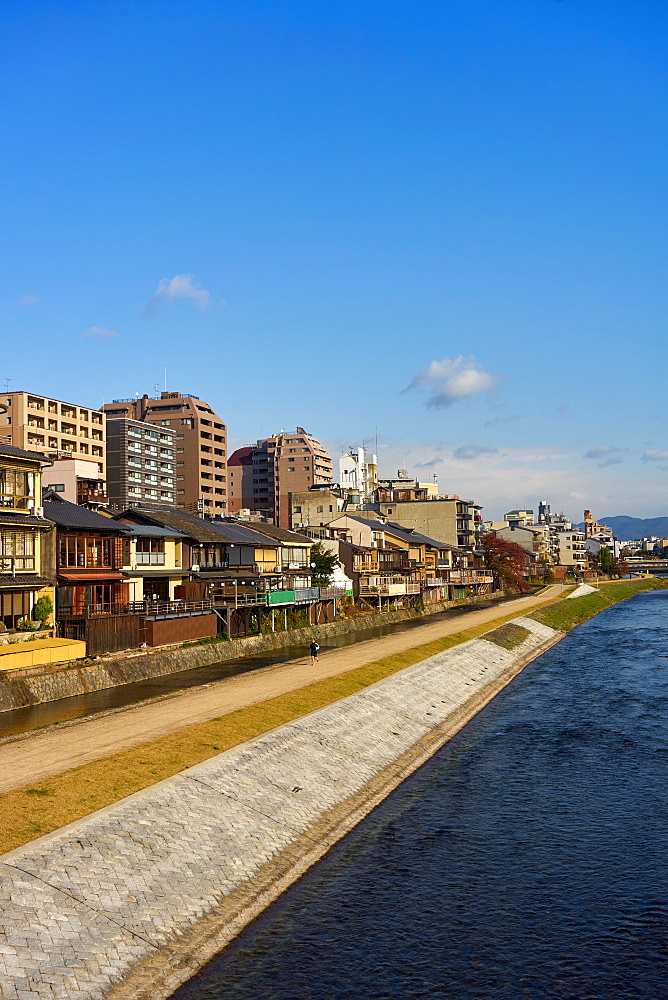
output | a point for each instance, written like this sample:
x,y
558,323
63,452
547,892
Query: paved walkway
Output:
x,y
40,755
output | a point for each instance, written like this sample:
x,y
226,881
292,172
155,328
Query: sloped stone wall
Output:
x,y
128,903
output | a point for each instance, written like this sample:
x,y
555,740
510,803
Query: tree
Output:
x,y
507,561
620,568
323,563
605,560
42,609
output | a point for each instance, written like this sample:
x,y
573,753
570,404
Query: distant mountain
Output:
x,y
627,528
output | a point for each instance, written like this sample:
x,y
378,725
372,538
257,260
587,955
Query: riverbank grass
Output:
x,y
568,614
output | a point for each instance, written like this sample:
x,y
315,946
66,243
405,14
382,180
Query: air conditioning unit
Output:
x,y
194,568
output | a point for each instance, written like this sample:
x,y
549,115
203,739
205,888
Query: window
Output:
x,y
17,550
150,551
84,551
16,487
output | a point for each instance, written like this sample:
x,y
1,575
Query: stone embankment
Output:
x,y
130,902
22,688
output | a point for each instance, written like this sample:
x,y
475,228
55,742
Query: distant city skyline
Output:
x,y
440,223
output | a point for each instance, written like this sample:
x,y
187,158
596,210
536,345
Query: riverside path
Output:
x,y
35,756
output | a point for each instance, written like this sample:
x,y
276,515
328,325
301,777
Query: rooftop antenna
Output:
x,y
7,384
156,389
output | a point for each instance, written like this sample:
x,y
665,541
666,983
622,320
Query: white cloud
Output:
x,y
181,286
605,454
450,380
471,451
100,332
653,455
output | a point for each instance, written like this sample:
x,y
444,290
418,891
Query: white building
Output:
x,y
359,471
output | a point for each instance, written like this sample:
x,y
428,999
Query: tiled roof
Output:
x,y
280,534
154,531
8,519
171,517
240,534
12,452
21,581
71,515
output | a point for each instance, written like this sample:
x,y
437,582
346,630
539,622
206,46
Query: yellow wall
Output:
x,y
41,652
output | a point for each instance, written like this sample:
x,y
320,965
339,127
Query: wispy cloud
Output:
x,y
562,408
654,455
604,455
429,465
181,286
495,421
450,380
468,452
100,332
28,300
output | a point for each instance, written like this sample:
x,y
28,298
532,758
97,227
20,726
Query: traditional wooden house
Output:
x,y
85,556
22,532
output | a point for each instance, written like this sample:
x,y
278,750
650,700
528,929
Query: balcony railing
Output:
x,y
17,502
153,609
17,564
330,593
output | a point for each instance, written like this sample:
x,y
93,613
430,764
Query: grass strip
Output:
x,y
508,636
568,614
45,806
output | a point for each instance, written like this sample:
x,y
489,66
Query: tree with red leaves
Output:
x,y
507,561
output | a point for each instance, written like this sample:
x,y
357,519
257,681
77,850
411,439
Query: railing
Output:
x,y
305,595
17,564
17,502
436,581
239,600
329,593
164,609
150,559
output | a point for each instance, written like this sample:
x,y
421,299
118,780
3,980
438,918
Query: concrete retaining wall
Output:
x,y
130,902
34,687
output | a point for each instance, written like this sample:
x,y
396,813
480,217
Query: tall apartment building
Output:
x,y
53,428
141,463
200,445
279,465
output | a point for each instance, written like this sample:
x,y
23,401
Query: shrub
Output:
x,y
27,625
43,608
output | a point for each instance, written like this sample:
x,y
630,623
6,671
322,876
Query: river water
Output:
x,y
528,859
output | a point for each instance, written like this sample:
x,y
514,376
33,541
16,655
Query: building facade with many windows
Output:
x,y
141,463
200,446
266,474
53,428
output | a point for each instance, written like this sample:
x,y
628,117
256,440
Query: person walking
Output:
x,y
315,649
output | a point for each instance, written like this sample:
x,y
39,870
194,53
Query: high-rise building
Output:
x,y
141,463
200,445
279,465
53,428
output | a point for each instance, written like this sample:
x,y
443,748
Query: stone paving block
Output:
x,y
80,907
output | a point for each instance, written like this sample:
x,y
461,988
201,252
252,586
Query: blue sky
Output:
x,y
441,222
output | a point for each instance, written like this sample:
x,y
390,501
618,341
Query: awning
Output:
x,y
103,576
22,582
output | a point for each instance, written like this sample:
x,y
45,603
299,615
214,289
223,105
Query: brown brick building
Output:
x,y
264,475
200,445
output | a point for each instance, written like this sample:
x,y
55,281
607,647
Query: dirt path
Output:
x,y
37,756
